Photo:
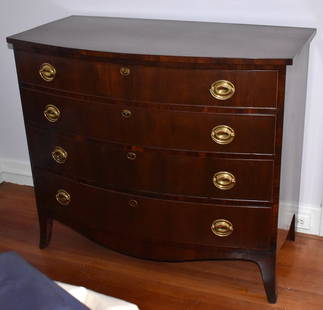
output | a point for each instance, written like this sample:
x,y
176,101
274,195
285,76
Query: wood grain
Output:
x,y
146,230
253,88
181,39
168,91
168,125
223,285
152,171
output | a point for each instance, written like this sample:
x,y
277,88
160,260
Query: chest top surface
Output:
x,y
169,38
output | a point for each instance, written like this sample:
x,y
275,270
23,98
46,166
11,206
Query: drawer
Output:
x,y
243,88
147,170
190,86
122,123
72,74
138,218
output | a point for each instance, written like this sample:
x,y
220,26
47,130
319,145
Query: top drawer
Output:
x,y
229,88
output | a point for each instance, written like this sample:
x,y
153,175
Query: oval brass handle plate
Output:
x,y
47,72
63,197
52,113
222,134
131,155
133,203
222,90
125,71
224,180
59,155
126,113
222,227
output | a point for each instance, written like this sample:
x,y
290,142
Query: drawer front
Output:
x,y
241,88
74,75
249,88
154,220
237,133
147,170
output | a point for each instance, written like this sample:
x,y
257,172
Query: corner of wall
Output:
x,y
308,218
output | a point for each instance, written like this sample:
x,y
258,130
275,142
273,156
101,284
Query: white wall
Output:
x,y
16,16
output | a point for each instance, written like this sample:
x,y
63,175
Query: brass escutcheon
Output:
x,y
222,90
52,113
47,72
131,155
126,113
224,180
125,71
222,227
63,197
133,203
222,134
59,155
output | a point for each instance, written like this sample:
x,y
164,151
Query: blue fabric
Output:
x,y
22,287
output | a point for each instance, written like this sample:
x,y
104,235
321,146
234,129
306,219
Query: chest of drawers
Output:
x,y
163,139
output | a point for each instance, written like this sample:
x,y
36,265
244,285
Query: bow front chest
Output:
x,y
164,139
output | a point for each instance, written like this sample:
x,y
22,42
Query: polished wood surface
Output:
x,y
147,227
253,88
160,173
168,125
171,38
133,123
157,171
223,285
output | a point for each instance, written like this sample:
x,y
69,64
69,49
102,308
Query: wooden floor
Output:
x,y
212,285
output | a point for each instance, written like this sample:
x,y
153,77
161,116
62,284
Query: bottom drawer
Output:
x,y
144,219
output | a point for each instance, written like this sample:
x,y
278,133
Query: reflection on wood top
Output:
x,y
169,38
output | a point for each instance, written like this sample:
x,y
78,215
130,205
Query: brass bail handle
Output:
x,y
222,227
222,134
63,197
224,180
59,155
222,89
47,72
52,113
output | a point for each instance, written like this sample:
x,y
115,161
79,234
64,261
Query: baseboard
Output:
x,y
15,171
308,219
312,214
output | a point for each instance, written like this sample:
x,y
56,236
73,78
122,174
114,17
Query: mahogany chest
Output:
x,y
166,140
